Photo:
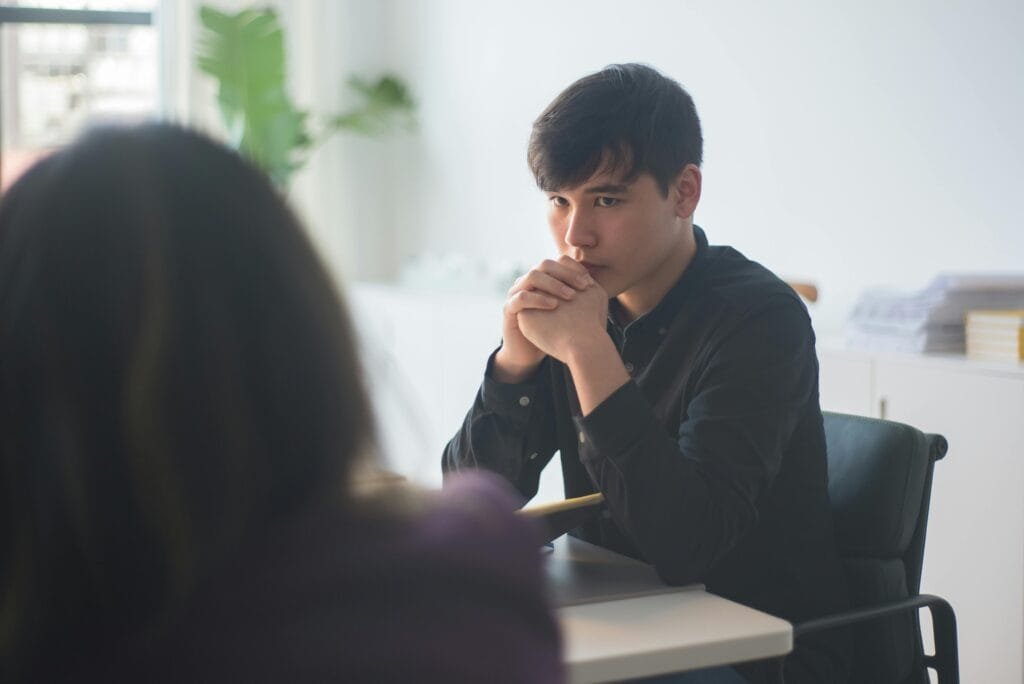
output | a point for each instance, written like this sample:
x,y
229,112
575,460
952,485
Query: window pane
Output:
x,y
119,5
56,79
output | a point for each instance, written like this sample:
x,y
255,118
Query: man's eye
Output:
x,y
607,201
558,201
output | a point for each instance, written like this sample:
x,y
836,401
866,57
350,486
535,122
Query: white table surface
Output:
x,y
646,628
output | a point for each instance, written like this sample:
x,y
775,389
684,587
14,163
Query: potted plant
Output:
x,y
244,51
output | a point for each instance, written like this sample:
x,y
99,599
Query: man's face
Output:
x,y
627,234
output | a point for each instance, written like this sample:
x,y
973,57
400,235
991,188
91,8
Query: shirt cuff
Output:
x,y
511,399
617,423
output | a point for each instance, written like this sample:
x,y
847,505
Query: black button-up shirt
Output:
x,y
711,459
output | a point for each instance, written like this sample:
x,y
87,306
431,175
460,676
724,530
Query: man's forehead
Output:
x,y
605,180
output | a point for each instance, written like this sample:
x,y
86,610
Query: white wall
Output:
x,y
342,192
854,144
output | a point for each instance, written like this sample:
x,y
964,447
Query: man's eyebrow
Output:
x,y
607,189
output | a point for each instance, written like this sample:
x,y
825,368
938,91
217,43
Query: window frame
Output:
x,y
48,15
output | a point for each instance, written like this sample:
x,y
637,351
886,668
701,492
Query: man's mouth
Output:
x,y
592,268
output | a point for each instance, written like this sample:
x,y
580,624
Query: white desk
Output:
x,y
643,628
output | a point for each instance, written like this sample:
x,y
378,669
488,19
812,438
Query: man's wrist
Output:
x,y
509,372
588,350
597,371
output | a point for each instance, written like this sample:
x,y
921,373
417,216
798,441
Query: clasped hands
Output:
x,y
552,310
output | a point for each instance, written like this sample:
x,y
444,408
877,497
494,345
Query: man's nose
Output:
x,y
579,231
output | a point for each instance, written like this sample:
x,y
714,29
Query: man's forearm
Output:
x,y
597,371
509,430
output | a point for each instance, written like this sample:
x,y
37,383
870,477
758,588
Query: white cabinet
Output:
x,y
424,356
974,552
845,383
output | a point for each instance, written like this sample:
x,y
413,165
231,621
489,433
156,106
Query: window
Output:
x,y
66,65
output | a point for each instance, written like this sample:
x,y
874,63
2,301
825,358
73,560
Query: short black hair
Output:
x,y
625,117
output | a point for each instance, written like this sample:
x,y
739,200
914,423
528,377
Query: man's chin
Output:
x,y
608,285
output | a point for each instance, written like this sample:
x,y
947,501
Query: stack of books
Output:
x,y
930,320
996,335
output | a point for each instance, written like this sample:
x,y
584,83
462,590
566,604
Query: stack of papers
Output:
x,y
931,320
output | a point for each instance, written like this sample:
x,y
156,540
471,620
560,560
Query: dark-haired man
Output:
x,y
679,379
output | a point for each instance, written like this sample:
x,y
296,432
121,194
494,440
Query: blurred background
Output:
x,y
852,145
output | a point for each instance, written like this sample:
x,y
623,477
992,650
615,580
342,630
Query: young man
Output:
x,y
677,378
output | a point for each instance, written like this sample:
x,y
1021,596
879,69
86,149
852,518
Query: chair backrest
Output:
x,y
880,478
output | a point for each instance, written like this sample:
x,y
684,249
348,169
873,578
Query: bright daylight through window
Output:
x,y
66,65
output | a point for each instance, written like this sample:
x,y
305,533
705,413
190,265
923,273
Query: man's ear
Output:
x,y
686,190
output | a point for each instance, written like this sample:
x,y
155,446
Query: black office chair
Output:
x,y
880,480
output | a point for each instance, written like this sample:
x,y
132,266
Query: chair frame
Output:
x,y
945,661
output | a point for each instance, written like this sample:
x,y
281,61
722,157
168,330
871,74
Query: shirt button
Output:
x,y
582,438
662,331
629,367
524,401
533,456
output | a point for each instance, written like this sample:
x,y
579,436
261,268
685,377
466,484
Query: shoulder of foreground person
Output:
x,y
451,590
467,598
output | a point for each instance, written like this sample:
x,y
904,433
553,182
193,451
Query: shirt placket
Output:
x,y
635,349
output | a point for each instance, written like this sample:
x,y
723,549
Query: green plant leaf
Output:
x,y
385,105
245,53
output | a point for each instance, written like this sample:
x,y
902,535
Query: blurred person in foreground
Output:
x,y
182,423
676,377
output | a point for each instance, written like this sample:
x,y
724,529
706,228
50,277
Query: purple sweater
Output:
x,y
453,594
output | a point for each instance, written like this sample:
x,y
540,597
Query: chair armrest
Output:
x,y
945,662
